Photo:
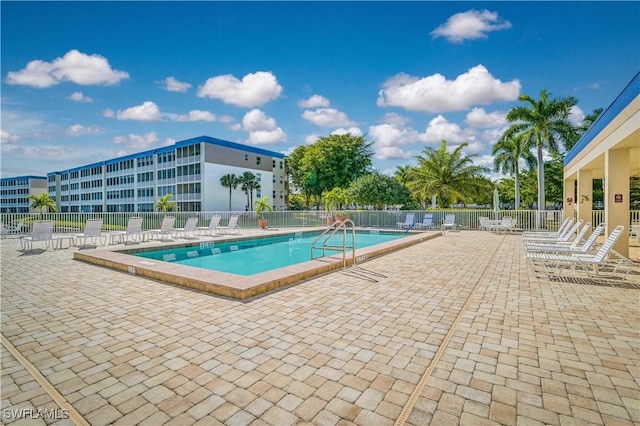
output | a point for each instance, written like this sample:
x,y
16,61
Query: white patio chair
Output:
x,y
602,265
567,235
93,231
427,222
8,229
449,222
568,223
41,231
166,230
408,221
565,248
189,229
232,227
213,228
134,232
504,225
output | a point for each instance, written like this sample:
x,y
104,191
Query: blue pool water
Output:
x,y
248,257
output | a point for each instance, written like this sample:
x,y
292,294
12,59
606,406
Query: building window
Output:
x,y
258,160
246,157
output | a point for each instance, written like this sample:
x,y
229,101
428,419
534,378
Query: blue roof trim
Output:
x,y
621,102
23,177
179,144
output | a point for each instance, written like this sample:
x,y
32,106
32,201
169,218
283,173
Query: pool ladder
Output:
x,y
322,242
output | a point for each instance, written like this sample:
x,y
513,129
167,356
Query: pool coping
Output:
x,y
231,285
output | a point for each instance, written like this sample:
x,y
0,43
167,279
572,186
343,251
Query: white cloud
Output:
x,y
435,93
440,129
576,115
309,139
492,135
389,141
108,112
171,84
80,130
470,25
148,111
9,142
134,141
74,66
79,97
328,117
478,117
396,119
254,89
197,115
262,130
355,131
314,101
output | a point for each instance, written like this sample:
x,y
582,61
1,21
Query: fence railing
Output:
x,y
465,219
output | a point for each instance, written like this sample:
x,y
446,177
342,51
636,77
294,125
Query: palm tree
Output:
x,y
249,182
230,181
543,123
40,201
577,133
451,176
165,205
506,156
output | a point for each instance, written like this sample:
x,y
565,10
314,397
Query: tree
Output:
x,y
543,123
334,161
230,181
577,133
507,153
299,180
379,190
335,199
451,176
165,205
249,182
42,201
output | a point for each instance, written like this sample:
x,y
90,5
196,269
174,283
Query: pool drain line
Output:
x,y
432,366
46,385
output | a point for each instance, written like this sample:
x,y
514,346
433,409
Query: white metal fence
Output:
x,y
465,219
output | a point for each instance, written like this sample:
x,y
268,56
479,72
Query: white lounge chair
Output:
x,y
601,265
560,241
568,223
189,229
213,228
567,235
134,231
427,222
166,230
93,231
41,231
232,227
8,229
449,222
573,248
408,221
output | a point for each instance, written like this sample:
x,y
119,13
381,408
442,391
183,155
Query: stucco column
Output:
x,y
584,200
616,190
569,193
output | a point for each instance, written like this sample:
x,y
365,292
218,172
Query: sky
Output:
x,y
83,82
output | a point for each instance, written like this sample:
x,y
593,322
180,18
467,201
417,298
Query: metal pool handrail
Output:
x,y
330,232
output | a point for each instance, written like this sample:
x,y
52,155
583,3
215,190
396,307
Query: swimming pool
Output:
x,y
249,257
234,285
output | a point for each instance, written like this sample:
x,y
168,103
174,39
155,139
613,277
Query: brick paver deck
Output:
x,y
344,348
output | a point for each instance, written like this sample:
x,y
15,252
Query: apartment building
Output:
x,y
190,170
15,190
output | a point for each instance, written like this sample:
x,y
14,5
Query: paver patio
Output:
x,y
455,330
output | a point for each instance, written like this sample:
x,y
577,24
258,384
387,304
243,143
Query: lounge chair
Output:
x,y
560,241
232,227
93,231
41,231
408,221
427,222
166,230
189,228
449,222
602,265
566,235
573,248
568,222
134,231
8,230
213,228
